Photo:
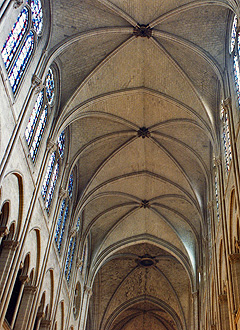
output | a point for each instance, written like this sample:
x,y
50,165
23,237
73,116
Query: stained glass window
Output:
x,y
59,223
234,33
48,174
37,121
237,77
50,86
37,16
226,139
216,197
19,45
21,61
70,256
61,144
52,186
34,117
15,37
70,186
39,133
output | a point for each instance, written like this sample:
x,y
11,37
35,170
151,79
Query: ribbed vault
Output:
x,y
142,112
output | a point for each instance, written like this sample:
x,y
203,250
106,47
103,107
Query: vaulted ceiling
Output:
x,y
141,84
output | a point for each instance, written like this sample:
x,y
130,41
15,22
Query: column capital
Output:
x,y
234,257
37,84
88,290
222,298
217,161
17,3
30,289
10,244
210,205
63,193
24,278
4,231
226,103
51,145
79,263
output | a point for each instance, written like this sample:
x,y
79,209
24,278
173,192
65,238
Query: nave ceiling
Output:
x,y
142,114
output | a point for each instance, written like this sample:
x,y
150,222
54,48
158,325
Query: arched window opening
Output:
x,y
71,252
63,215
235,51
38,119
51,176
217,197
19,45
226,138
61,144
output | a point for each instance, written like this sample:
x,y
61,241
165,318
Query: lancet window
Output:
x,y
51,177
63,215
21,41
226,138
38,119
71,252
235,51
217,197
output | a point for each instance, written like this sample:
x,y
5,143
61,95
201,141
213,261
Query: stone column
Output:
x,y
45,325
235,266
25,307
86,298
8,249
222,298
39,317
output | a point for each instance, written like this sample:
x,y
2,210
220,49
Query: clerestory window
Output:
x,y
21,41
38,119
235,52
63,215
226,138
51,175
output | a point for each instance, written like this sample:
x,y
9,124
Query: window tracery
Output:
x,y
63,215
71,252
226,138
50,179
19,45
38,119
235,51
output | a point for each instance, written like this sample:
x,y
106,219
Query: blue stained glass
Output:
x,y
50,86
37,15
33,118
216,196
14,38
39,133
234,33
68,255
63,228
237,77
48,174
78,224
59,223
21,62
61,144
71,260
70,186
52,186
226,140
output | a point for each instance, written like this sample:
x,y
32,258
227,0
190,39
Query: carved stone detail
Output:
x,y
63,193
142,30
222,297
51,145
143,132
3,231
234,257
88,290
145,204
37,83
17,3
